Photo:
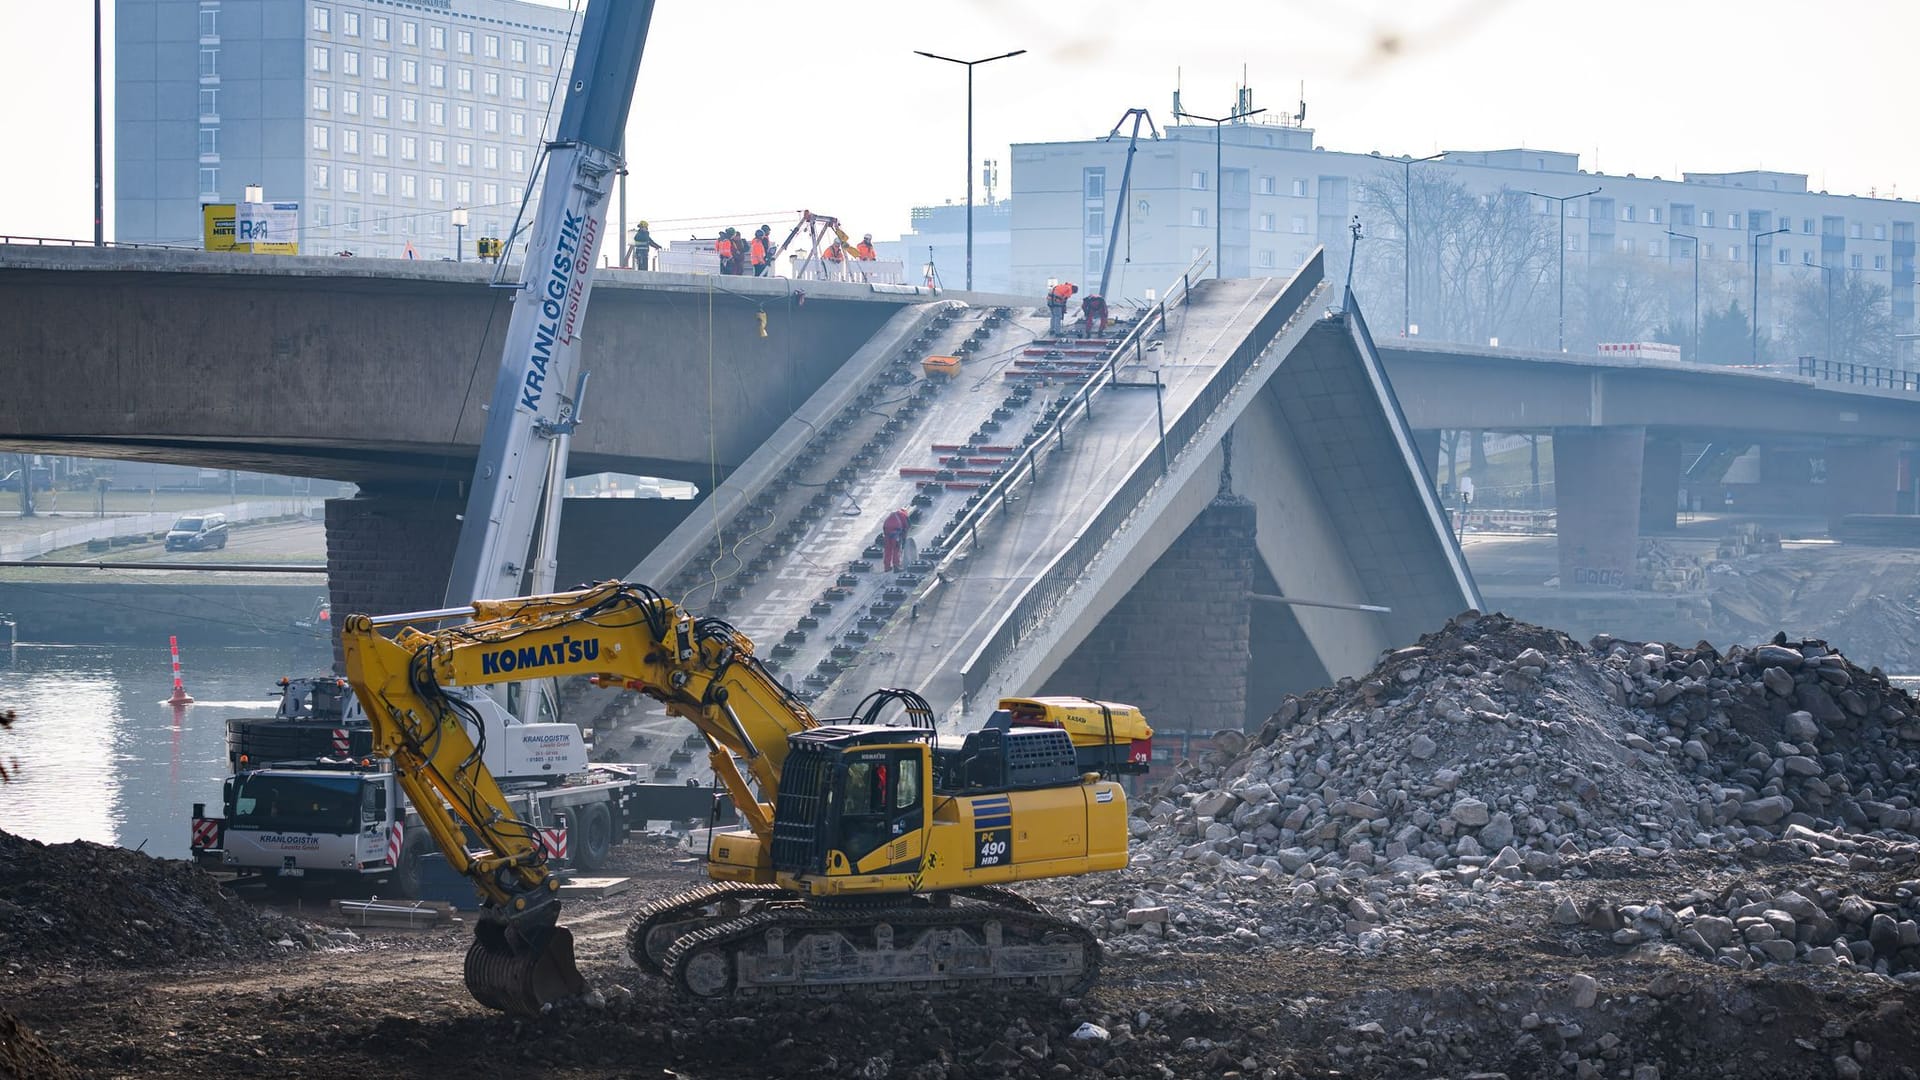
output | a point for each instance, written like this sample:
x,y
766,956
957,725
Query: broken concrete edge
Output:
x,y
1042,630
754,474
1403,439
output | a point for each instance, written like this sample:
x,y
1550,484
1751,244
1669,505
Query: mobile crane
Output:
x,y
872,855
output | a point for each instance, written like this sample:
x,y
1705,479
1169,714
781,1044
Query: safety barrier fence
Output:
x,y
57,241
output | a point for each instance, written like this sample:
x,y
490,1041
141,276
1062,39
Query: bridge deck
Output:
x,y
796,564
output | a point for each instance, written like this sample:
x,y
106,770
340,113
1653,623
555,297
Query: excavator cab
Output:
x,y
854,800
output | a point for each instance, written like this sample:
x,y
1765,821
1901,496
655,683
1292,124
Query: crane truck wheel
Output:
x,y
409,876
596,837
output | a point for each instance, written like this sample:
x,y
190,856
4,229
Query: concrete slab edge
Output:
x,y
1403,439
744,483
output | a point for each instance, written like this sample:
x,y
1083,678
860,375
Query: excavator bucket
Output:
x,y
521,975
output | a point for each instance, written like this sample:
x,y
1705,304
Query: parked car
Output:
x,y
204,533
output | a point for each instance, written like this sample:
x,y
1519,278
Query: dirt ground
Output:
x,y
1485,991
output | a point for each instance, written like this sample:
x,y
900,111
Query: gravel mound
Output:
x,y
84,905
1496,757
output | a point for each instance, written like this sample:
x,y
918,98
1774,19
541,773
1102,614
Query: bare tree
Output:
x,y
1835,314
1624,297
1480,266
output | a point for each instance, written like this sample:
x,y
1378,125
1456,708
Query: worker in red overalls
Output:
x,y
893,533
1093,310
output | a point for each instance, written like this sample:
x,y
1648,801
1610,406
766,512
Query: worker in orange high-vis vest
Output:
x,y
723,247
864,249
1057,298
757,254
893,535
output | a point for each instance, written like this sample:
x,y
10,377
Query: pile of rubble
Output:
x,y
82,905
1496,758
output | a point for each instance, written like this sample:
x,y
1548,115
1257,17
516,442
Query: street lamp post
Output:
x,y
969,65
1753,356
1406,241
459,234
1219,187
1561,209
1826,272
1696,291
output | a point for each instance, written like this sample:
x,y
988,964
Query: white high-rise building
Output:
x,y
379,117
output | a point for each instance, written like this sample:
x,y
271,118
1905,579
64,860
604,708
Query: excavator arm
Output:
x,y
620,635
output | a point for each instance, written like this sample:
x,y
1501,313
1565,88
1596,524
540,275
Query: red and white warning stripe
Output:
x,y
394,836
340,744
553,842
206,833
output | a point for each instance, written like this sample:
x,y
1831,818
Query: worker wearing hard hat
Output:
x,y
1093,315
1057,298
864,250
760,251
643,247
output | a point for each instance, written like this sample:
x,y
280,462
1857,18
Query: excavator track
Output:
x,y
656,926
994,894
901,949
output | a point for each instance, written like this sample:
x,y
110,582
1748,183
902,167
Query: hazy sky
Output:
x,y
823,105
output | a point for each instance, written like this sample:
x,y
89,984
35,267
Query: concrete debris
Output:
x,y
1498,757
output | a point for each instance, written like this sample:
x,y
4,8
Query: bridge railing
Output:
x,y
965,532
58,241
1071,564
1812,367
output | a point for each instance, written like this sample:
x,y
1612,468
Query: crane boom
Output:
x,y
1126,177
535,394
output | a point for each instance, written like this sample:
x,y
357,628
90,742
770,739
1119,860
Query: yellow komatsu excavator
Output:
x,y
873,855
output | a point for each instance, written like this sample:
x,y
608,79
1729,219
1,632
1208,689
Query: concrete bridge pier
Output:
x,y
1863,477
389,549
1660,469
1177,645
1597,482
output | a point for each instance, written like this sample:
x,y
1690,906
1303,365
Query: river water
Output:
x,y
97,754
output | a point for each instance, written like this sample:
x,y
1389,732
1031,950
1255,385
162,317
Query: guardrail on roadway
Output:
x,y
1067,568
131,524
1812,367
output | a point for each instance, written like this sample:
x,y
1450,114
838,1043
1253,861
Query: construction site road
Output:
x,y
1489,991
